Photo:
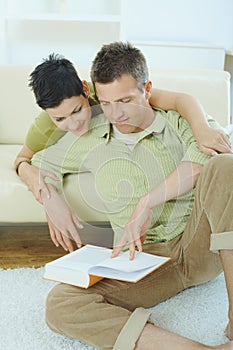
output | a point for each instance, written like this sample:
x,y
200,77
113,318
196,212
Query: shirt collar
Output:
x,y
103,129
158,123
156,126
100,127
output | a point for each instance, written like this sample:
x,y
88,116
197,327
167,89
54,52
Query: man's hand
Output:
x,y
212,141
135,230
61,220
34,179
181,180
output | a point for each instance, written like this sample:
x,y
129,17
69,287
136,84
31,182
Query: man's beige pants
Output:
x,y
112,314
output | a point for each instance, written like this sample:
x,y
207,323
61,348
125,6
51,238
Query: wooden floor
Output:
x,y
26,246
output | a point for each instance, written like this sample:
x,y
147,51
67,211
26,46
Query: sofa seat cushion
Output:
x,y
16,201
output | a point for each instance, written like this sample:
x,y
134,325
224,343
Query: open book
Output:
x,y
89,264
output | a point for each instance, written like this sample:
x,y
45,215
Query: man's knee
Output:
x,y
221,162
218,171
59,304
63,305
53,306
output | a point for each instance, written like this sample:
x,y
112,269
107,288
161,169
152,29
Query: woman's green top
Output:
x,y
43,132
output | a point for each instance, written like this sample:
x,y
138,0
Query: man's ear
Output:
x,y
148,87
86,88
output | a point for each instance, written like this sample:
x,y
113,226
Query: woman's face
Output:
x,y
73,114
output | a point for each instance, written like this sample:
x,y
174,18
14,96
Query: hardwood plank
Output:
x,y
26,246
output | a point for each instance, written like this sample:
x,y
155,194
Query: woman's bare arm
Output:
x,y
210,141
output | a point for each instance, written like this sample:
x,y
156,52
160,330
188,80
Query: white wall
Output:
x,y
197,22
31,29
207,22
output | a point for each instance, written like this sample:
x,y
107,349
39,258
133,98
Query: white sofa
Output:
x,y
18,109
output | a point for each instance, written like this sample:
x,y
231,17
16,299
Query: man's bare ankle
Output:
x,y
144,341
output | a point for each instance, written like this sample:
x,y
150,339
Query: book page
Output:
x,y
132,276
141,261
83,258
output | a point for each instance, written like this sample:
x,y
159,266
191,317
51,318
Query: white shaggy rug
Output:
x,y
199,313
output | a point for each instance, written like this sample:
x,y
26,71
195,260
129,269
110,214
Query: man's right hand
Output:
x,y
62,221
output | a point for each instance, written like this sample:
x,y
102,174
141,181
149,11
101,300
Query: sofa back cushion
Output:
x,y
211,87
18,108
17,104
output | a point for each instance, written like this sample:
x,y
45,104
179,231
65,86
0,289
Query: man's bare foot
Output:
x,y
229,330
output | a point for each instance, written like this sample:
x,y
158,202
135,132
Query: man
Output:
x,y
143,153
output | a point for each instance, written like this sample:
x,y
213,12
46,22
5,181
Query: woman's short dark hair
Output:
x,y
54,80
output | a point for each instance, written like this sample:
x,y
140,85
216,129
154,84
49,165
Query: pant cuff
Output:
x,y
221,241
132,329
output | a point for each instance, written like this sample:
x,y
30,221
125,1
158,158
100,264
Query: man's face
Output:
x,y
125,105
73,114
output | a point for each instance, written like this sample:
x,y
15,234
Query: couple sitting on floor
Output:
x,y
146,163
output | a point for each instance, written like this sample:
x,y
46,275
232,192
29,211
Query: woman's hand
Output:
x,y
58,238
213,141
62,221
34,179
136,228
